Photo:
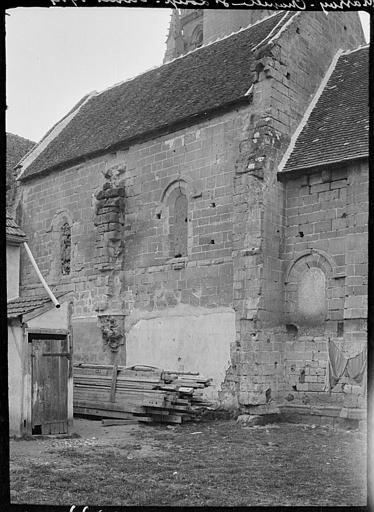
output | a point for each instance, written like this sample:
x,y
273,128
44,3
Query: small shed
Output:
x,y
40,377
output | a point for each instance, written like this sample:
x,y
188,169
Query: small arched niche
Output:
x,y
307,281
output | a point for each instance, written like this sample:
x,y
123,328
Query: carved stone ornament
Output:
x,y
113,334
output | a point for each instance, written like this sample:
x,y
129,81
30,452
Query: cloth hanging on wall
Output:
x,y
356,367
339,366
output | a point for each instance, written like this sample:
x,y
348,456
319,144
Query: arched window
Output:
x,y
178,225
65,246
196,39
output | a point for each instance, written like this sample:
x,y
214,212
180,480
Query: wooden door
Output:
x,y
50,371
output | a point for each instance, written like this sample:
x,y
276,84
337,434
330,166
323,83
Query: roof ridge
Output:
x,y
348,52
293,15
73,109
153,68
20,137
240,42
309,110
50,136
276,35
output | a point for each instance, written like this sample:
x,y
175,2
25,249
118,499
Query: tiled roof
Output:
x,y
338,126
210,77
16,148
23,305
13,231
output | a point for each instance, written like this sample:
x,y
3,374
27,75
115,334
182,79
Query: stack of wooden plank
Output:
x,y
147,393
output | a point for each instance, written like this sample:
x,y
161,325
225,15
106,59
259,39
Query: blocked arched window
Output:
x,y
65,248
309,289
179,224
174,212
311,304
61,246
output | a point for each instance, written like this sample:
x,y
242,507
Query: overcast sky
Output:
x,y
57,55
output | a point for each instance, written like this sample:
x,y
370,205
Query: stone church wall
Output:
x,y
177,243
288,76
219,23
175,312
326,262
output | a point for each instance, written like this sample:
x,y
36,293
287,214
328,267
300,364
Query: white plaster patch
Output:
x,y
252,302
52,319
89,317
183,338
172,142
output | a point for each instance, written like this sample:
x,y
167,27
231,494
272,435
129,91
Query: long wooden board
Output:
x,y
116,392
108,406
102,413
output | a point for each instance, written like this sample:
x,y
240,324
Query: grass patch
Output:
x,y
225,465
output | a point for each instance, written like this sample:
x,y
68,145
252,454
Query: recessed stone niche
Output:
x,y
311,297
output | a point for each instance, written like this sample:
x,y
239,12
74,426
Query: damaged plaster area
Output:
x,y
183,338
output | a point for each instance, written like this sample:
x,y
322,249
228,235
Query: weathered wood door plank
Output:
x,y
50,367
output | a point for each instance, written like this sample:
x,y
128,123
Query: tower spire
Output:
x,y
174,41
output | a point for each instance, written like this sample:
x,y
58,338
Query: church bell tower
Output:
x,y
191,28
185,32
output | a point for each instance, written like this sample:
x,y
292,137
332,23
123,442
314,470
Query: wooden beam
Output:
x,y
42,330
103,413
115,421
114,382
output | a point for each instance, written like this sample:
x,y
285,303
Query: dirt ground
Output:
x,y
216,463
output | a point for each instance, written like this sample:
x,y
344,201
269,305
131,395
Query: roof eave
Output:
x,y
43,308
15,240
148,135
296,172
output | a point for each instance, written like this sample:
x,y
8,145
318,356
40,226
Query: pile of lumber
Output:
x,y
143,392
